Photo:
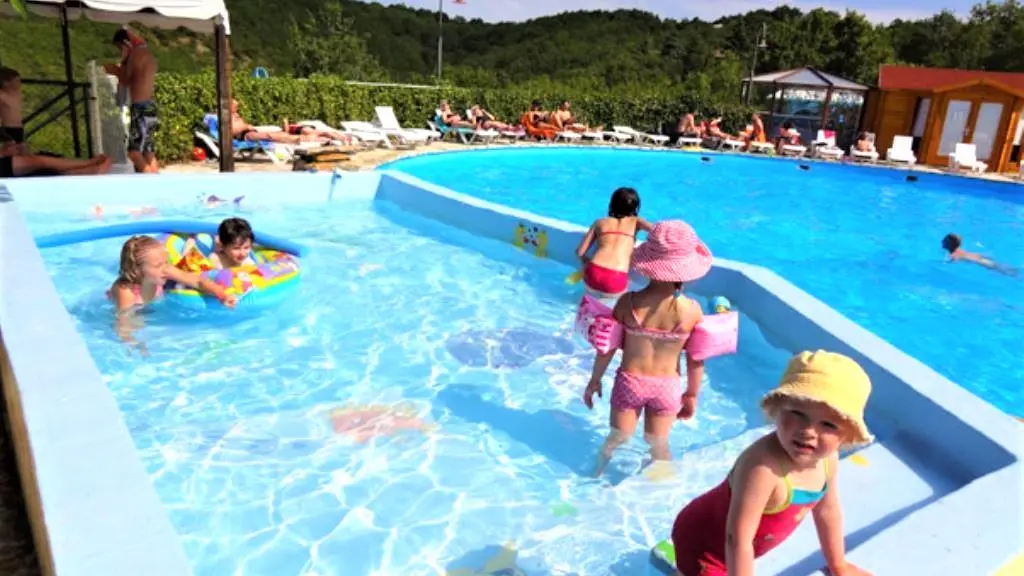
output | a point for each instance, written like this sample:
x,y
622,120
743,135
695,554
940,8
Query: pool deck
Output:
x,y
938,493
370,159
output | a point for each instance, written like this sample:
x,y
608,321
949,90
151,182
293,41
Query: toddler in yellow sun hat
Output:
x,y
817,408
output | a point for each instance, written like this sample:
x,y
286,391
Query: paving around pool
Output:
x,y
205,458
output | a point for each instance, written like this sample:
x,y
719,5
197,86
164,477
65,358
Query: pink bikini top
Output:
x,y
675,334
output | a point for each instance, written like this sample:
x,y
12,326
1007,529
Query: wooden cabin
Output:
x,y
940,107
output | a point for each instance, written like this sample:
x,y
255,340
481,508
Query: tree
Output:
x,y
326,42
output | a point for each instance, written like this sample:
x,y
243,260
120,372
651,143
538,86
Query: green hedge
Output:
x,y
184,99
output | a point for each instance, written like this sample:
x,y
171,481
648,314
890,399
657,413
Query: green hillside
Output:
x,y
601,48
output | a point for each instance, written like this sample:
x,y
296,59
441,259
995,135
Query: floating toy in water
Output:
x,y
135,212
721,304
563,508
508,348
272,278
214,201
574,278
503,563
665,552
365,422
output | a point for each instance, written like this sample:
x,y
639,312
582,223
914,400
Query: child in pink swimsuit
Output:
x,y
144,271
607,271
818,407
657,323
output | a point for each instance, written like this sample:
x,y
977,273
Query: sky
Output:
x,y
517,10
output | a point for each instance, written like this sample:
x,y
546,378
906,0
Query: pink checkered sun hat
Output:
x,y
672,253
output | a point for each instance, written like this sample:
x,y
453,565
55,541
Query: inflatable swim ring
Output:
x,y
272,278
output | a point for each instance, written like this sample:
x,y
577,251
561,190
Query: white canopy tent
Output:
x,y
203,16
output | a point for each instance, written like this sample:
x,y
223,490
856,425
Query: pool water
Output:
x,y
415,409
863,240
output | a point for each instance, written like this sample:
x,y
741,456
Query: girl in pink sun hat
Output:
x,y
656,323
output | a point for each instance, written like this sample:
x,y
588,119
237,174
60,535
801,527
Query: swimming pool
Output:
x,y
416,410
865,241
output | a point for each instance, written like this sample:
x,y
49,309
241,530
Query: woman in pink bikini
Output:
x,y
607,271
656,322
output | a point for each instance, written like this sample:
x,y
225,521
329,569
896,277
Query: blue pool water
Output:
x,y
414,410
865,241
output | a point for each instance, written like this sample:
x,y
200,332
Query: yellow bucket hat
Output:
x,y
830,379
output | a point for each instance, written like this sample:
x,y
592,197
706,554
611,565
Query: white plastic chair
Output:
x,y
825,146
387,122
966,156
901,151
641,137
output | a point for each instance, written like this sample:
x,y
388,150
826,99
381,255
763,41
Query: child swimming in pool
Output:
x,y
233,245
657,323
818,407
144,271
952,243
607,271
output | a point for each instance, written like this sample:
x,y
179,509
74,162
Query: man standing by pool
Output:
x,y
136,76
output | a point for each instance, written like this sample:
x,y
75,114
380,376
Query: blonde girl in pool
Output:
x,y
818,407
656,323
143,272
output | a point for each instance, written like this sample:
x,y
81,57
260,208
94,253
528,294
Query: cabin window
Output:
x,y
920,121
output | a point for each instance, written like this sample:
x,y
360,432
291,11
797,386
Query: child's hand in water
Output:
x,y
228,300
588,395
689,407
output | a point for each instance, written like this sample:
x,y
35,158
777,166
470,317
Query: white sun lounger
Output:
x,y
966,156
389,123
641,137
869,155
825,147
901,151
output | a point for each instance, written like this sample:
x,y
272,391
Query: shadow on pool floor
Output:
x,y
17,551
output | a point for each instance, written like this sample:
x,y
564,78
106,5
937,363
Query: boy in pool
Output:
x,y
952,244
234,244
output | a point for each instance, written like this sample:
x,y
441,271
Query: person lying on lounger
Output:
x,y
242,130
451,119
16,161
311,130
484,120
564,119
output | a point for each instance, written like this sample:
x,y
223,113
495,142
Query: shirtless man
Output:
x,y
242,130
951,243
136,74
564,119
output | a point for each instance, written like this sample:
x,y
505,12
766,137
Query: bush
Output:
x,y
184,99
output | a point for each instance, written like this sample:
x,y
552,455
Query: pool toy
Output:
x,y
594,321
858,459
156,227
135,211
503,563
365,422
272,278
563,508
574,278
665,552
511,348
715,335
720,304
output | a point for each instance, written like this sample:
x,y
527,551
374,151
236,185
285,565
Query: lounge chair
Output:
x,y
870,155
465,135
689,142
246,149
541,130
366,132
825,146
966,156
641,137
514,134
762,147
389,123
901,151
